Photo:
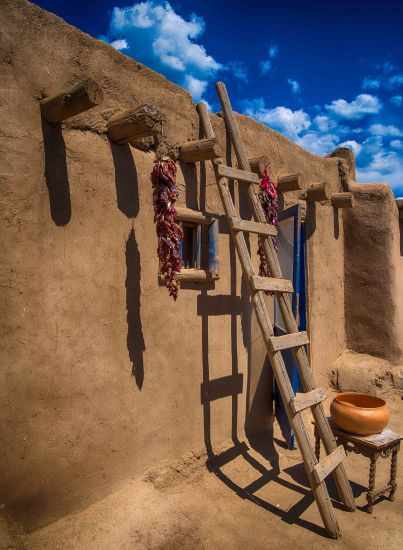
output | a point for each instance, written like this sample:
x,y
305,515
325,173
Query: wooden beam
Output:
x,y
75,100
142,122
184,214
317,192
271,284
290,182
236,174
252,227
328,464
198,150
193,275
303,401
288,341
342,200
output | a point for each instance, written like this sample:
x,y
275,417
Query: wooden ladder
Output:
x,y
313,397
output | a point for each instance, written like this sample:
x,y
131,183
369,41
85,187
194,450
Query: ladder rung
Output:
x,y
253,227
236,174
288,341
304,400
328,464
271,284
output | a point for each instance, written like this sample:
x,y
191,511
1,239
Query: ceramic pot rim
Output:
x,y
339,399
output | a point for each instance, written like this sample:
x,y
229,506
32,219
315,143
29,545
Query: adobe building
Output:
x,y
103,375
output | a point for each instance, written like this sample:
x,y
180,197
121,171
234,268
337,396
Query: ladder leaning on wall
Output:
x,y
313,397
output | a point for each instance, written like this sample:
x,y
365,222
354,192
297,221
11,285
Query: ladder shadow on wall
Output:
x,y
127,199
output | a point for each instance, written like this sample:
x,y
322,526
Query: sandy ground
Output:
x,y
236,502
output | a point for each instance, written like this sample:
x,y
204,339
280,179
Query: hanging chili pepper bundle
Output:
x,y
169,233
269,199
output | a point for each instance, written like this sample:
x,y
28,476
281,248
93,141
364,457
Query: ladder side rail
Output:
x,y
310,461
343,485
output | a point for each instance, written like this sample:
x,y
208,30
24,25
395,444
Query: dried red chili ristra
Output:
x,y
169,233
269,200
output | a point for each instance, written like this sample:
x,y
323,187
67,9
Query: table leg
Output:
x,y
393,472
371,484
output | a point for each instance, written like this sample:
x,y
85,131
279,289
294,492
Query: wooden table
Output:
x,y
382,445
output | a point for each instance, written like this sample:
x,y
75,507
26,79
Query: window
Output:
x,y
199,245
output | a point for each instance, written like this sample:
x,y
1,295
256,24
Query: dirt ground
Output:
x,y
233,501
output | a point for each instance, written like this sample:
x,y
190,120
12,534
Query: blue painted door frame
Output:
x,y
292,215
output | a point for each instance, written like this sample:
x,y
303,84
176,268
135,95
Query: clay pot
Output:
x,y
359,414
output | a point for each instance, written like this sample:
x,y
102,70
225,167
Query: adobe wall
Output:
x,y
81,307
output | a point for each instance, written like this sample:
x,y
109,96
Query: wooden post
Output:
x,y
290,182
77,99
317,192
342,200
205,120
135,124
201,149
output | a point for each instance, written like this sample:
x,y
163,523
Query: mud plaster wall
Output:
x,y
81,308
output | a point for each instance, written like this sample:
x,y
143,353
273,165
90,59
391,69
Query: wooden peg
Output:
x,y
77,99
142,122
201,149
342,200
290,182
317,192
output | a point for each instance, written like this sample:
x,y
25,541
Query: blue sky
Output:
x,y
322,73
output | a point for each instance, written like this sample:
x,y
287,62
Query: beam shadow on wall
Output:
x,y
56,175
135,338
126,180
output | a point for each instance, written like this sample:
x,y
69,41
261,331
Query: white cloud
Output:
x,y
295,86
266,66
239,70
396,100
397,144
319,144
152,32
324,123
283,119
384,167
120,44
371,83
351,144
395,81
362,105
384,130
195,86
273,51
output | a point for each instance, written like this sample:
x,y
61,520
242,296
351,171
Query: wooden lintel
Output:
x,y
288,341
342,200
253,227
199,150
134,124
290,182
184,214
237,174
75,100
305,400
271,284
328,464
317,192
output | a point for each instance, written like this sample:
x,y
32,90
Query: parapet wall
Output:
x,y
81,307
